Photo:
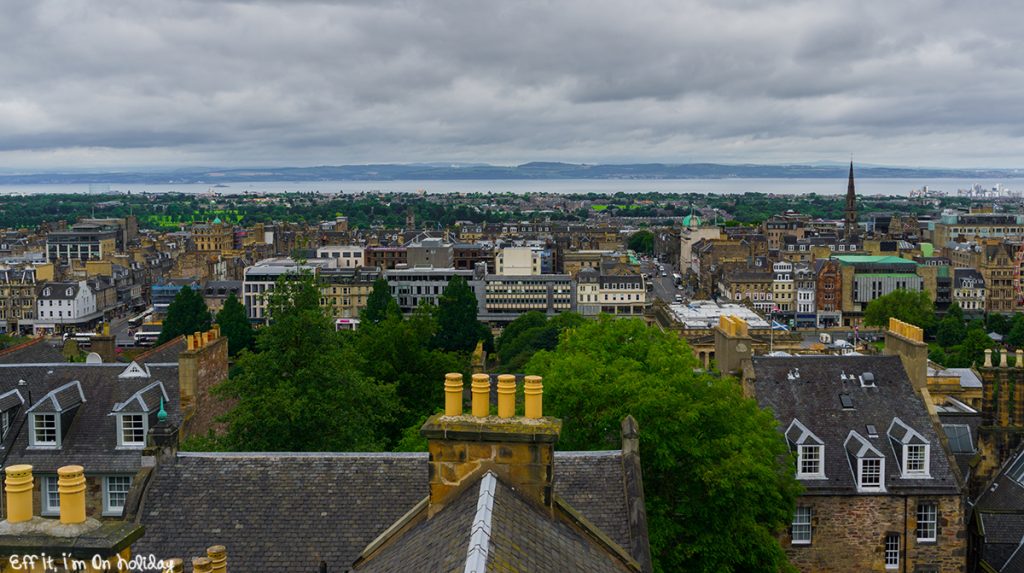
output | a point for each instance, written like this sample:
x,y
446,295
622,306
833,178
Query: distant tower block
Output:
x,y
850,218
410,220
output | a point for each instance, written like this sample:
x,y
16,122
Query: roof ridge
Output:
x,y
480,530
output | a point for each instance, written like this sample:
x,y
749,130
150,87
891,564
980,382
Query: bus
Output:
x,y
148,334
346,324
136,321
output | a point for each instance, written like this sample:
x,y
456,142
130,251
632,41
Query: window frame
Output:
x,y
34,441
48,487
801,460
861,485
802,517
891,555
931,524
923,471
108,509
121,442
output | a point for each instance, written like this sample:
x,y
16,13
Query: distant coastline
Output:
x,y
525,172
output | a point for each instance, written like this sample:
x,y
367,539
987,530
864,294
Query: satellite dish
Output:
x,y
93,358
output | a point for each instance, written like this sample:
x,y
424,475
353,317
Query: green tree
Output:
x,y
530,333
718,478
999,323
400,352
301,389
380,305
1016,336
951,330
458,330
972,350
914,307
234,324
642,242
186,314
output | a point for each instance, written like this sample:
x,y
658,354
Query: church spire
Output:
x,y
850,218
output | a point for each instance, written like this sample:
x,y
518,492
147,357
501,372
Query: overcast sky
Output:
x,y
90,83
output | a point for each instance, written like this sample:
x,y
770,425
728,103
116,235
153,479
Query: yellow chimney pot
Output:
x,y
481,395
199,340
218,555
19,493
506,396
202,565
190,342
533,389
453,394
175,565
71,487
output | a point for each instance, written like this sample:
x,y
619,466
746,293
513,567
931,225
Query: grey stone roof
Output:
x,y
489,527
288,511
813,397
165,353
90,433
999,513
37,351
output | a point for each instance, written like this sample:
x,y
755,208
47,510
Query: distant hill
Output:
x,y
534,170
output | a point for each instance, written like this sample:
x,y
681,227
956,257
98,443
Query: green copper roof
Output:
x,y
889,260
691,221
884,275
927,249
216,221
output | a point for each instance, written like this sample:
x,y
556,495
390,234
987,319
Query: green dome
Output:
x,y
216,221
691,221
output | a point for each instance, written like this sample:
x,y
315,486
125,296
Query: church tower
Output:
x,y
850,228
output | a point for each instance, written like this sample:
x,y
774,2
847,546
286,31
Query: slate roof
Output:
x,y
814,399
288,511
489,527
165,353
90,439
37,350
999,514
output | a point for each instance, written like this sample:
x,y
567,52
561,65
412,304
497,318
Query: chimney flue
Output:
x,y
453,394
533,389
218,555
201,565
175,565
71,487
481,395
20,484
506,396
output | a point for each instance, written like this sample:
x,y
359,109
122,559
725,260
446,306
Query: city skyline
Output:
x,y
90,85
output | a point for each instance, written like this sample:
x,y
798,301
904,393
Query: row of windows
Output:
x,y
46,431
115,493
926,531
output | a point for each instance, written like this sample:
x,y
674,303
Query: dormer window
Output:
x,y
45,431
46,291
131,431
810,451
69,292
911,449
867,463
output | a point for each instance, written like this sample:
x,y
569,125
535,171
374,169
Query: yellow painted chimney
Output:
x,y
71,486
19,493
453,394
175,565
506,396
202,565
218,555
533,388
481,395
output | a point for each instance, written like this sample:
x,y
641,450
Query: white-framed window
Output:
x,y
870,473
50,501
5,423
45,430
915,459
131,430
802,526
115,493
927,521
892,551
809,462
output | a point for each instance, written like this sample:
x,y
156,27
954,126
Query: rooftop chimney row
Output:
x,y
533,395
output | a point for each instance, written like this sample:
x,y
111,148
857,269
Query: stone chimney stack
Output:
x,y
518,449
733,344
907,341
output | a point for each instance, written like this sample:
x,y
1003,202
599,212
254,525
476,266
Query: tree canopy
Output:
x,y
234,324
380,305
914,307
529,333
301,390
951,329
718,478
186,314
642,242
458,330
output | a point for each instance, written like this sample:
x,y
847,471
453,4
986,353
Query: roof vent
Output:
x,y
22,382
842,375
846,401
872,431
793,374
867,380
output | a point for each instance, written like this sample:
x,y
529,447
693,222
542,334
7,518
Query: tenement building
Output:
x,y
880,491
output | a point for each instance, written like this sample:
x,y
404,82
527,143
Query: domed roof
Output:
x,y
691,220
216,221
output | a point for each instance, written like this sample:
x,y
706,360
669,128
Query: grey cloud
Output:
x,y
282,82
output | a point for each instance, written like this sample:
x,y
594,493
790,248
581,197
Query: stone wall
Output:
x,y
848,534
199,370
